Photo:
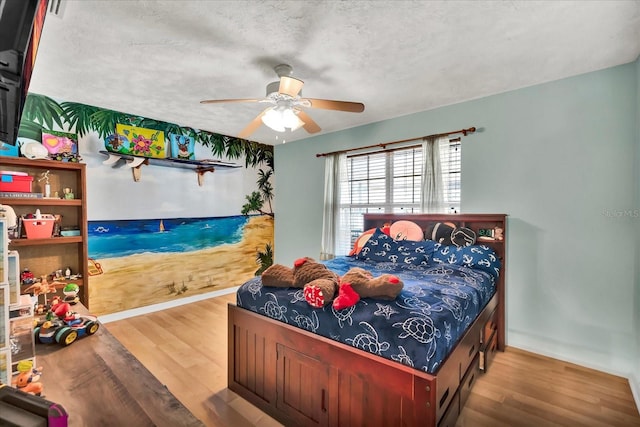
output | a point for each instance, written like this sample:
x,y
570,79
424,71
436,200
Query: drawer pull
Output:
x,y
444,397
473,377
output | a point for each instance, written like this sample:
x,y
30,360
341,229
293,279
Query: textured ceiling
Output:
x,y
158,59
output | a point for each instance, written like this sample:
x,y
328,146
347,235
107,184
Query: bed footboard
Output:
x,y
303,379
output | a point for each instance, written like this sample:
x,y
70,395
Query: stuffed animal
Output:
x,y
463,236
304,270
365,285
447,233
278,275
440,232
320,284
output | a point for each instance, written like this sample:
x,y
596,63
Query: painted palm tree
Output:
x,y
42,112
264,259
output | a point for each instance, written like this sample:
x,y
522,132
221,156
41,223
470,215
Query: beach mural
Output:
x,y
172,233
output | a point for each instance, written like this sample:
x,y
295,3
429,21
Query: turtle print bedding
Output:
x,y
419,328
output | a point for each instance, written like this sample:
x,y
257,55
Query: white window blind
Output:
x,y
390,182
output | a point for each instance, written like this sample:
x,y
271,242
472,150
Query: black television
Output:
x,y
21,23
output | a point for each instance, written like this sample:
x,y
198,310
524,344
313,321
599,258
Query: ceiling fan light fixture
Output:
x,y
281,119
291,120
273,119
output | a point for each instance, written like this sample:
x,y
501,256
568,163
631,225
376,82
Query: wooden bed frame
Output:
x,y
303,379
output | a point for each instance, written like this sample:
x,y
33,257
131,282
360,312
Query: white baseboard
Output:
x,y
588,359
112,317
579,356
634,382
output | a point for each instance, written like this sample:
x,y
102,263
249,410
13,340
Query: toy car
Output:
x,y
65,332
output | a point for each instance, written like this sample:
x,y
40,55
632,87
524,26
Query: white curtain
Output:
x,y
334,173
432,197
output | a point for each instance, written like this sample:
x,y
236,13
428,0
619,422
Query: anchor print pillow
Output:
x,y
479,257
382,248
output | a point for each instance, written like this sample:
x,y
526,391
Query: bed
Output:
x,y
306,366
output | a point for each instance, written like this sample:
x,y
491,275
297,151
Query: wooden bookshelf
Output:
x,y
45,256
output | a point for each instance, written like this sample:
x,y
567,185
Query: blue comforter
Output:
x,y
419,328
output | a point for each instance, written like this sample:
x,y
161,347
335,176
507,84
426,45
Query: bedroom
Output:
x,y
561,158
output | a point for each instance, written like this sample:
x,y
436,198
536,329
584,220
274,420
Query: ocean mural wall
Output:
x,y
171,231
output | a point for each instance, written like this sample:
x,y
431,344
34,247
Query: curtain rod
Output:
x,y
384,144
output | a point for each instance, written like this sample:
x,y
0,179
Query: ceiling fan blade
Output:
x,y
328,104
251,127
216,101
290,86
309,125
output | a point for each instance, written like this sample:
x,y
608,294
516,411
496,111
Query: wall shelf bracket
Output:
x,y
136,162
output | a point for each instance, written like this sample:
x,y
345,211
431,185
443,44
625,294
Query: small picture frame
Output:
x,y
182,147
61,146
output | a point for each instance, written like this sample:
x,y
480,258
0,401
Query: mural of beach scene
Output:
x,y
172,233
144,262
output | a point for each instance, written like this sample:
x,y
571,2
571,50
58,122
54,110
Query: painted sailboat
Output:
x,y
161,226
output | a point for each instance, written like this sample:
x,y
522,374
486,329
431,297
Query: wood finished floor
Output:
x,y
186,349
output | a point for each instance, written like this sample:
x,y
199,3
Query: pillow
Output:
x,y
364,237
478,257
382,248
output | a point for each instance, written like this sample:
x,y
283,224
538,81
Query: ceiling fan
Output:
x,y
285,111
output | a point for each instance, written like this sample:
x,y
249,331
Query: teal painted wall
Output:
x,y
560,159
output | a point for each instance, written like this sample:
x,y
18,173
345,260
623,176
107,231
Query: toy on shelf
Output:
x,y
68,194
43,287
70,292
28,378
44,176
27,277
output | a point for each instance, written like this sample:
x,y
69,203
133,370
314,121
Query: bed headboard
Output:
x,y
476,222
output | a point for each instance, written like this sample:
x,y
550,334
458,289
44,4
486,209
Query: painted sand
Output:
x,y
143,279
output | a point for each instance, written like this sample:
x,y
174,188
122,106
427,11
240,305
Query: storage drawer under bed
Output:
x,y
488,352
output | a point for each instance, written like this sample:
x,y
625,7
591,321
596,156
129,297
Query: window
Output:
x,y
390,181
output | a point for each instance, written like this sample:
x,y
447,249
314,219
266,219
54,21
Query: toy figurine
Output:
x,y
27,378
68,194
47,187
70,292
43,287
27,277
